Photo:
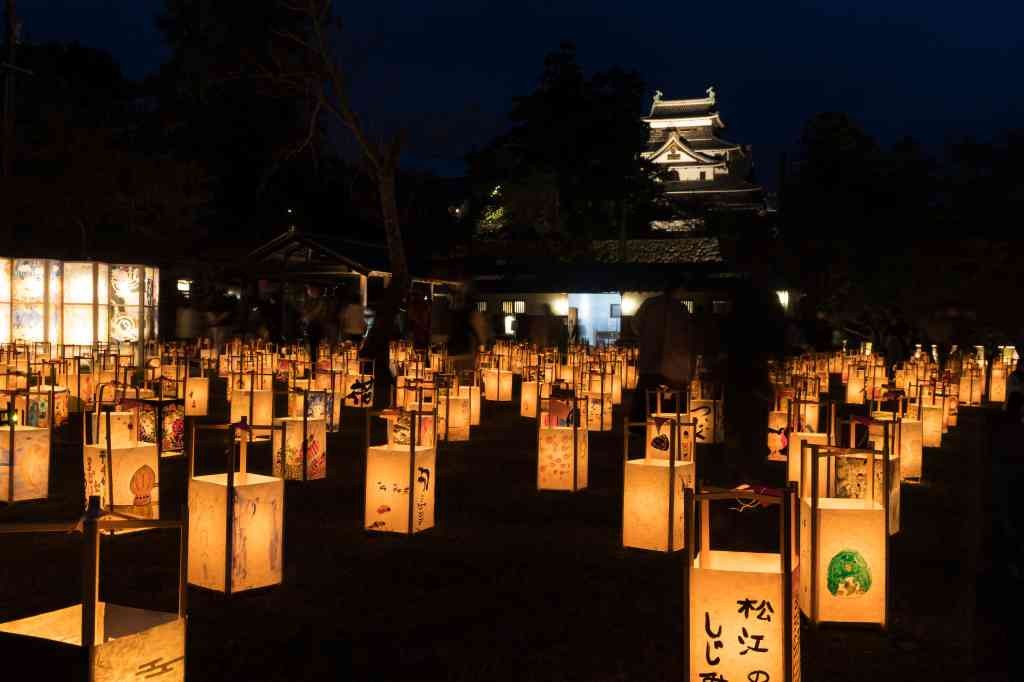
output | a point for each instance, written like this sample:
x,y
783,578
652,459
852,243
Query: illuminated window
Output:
x,y
783,299
481,306
721,307
510,324
185,287
517,307
689,306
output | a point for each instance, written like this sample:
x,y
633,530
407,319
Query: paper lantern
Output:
x,y
497,385
300,448
256,406
844,540
400,423
652,499
109,642
357,388
778,435
659,429
931,425
40,405
599,412
856,385
30,463
123,428
707,413
997,382
235,525
127,480
197,396
562,445
743,622
400,485
453,416
972,385
528,395
473,394
160,421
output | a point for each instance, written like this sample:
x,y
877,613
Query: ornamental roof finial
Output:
x,y
657,96
711,92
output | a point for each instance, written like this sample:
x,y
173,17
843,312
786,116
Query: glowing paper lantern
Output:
x,y
844,539
197,396
743,622
126,478
778,435
652,502
300,448
256,406
235,525
856,385
110,642
972,385
931,425
497,385
400,485
161,421
707,413
599,412
562,446
30,463
453,416
473,394
997,382
528,391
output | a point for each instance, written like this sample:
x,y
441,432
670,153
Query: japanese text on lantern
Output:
x,y
746,648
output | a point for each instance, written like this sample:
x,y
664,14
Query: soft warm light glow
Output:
x,y
645,504
397,488
783,297
256,538
31,463
262,407
558,466
560,306
288,464
630,304
473,393
135,470
497,385
931,418
197,396
528,397
453,416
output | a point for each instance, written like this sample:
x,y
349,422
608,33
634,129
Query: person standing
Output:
x,y
665,332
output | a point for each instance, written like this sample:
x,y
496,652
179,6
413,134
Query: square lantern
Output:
x,y
652,496
743,622
126,476
197,396
453,416
401,479
997,382
529,392
708,414
856,384
357,387
473,394
908,442
844,537
497,384
256,406
562,445
102,641
778,435
300,448
931,424
599,411
160,421
30,462
972,385
235,523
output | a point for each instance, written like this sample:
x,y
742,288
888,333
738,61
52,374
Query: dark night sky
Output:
x,y
447,70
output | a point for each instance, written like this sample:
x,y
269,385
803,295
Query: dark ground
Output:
x,y
514,584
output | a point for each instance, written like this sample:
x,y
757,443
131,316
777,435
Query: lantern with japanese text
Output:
x,y
844,536
743,621
197,396
562,444
652,496
24,461
357,388
235,519
401,480
101,641
300,448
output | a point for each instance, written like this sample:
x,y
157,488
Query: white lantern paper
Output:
x,y
707,413
931,420
31,480
599,412
197,396
562,447
653,502
794,461
778,435
743,622
659,435
256,531
497,385
288,464
134,472
997,383
528,397
262,407
473,393
123,429
400,486
843,547
453,418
